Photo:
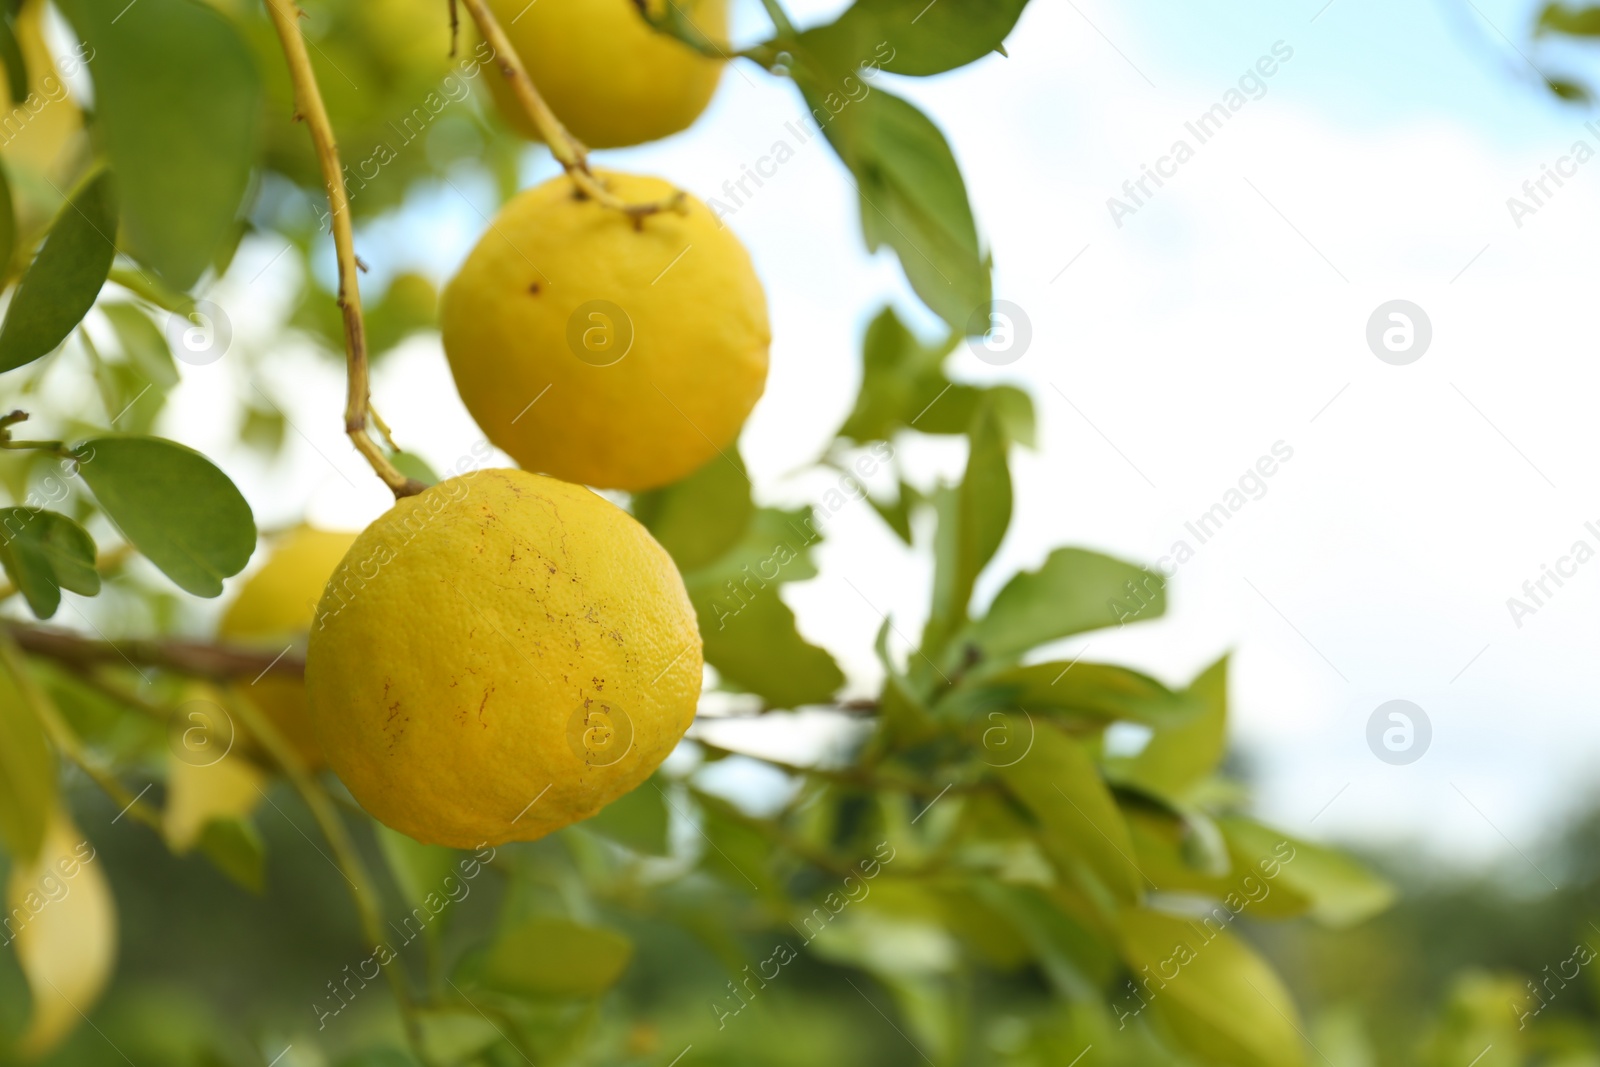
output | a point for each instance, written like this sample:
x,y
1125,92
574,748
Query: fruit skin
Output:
x,y
611,79
466,630
698,361
274,609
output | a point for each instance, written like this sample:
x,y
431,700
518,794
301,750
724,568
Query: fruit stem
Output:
x,y
196,659
309,109
568,150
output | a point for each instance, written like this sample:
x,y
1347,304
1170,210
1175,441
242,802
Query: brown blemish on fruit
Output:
x,y
533,288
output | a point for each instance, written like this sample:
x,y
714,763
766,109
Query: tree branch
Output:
x,y
309,109
199,659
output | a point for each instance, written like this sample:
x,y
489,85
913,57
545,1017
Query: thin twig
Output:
x,y
309,109
568,150
198,659
363,891
64,739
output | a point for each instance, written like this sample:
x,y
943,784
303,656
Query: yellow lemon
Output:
x,y
500,656
609,77
603,351
273,611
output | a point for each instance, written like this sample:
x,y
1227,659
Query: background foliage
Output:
x,y
980,878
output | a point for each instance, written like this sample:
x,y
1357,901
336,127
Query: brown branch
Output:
x,y
199,659
309,108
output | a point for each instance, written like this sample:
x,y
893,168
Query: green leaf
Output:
x,y
905,719
27,766
16,66
1080,826
61,284
1074,591
410,465
909,36
637,819
749,632
1181,756
235,848
1573,21
1224,1005
174,505
903,386
143,343
756,645
550,956
897,515
1094,691
972,522
1340,890
912,195
8,222
424,873
44,552
700,518
178,109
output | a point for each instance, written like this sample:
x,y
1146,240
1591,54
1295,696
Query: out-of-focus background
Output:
x,y
1418,540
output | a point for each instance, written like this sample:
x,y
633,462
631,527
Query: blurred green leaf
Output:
x,y
750,634
637,819
908,36
1340,890
8,220
703,516
412,466
1179,756
61,284
143,343
11,55
972,522
1073,591
898,513
44,552
424,873
912,196
736,852
1221,1001
235,848
27,766
178,104
173,505
1080,827
1573,21
551,956
1096,691
904,386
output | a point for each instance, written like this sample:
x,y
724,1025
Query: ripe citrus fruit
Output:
x,y
500,656
609,77
274,610
601,350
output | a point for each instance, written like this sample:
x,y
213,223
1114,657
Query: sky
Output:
x,y
1173,346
